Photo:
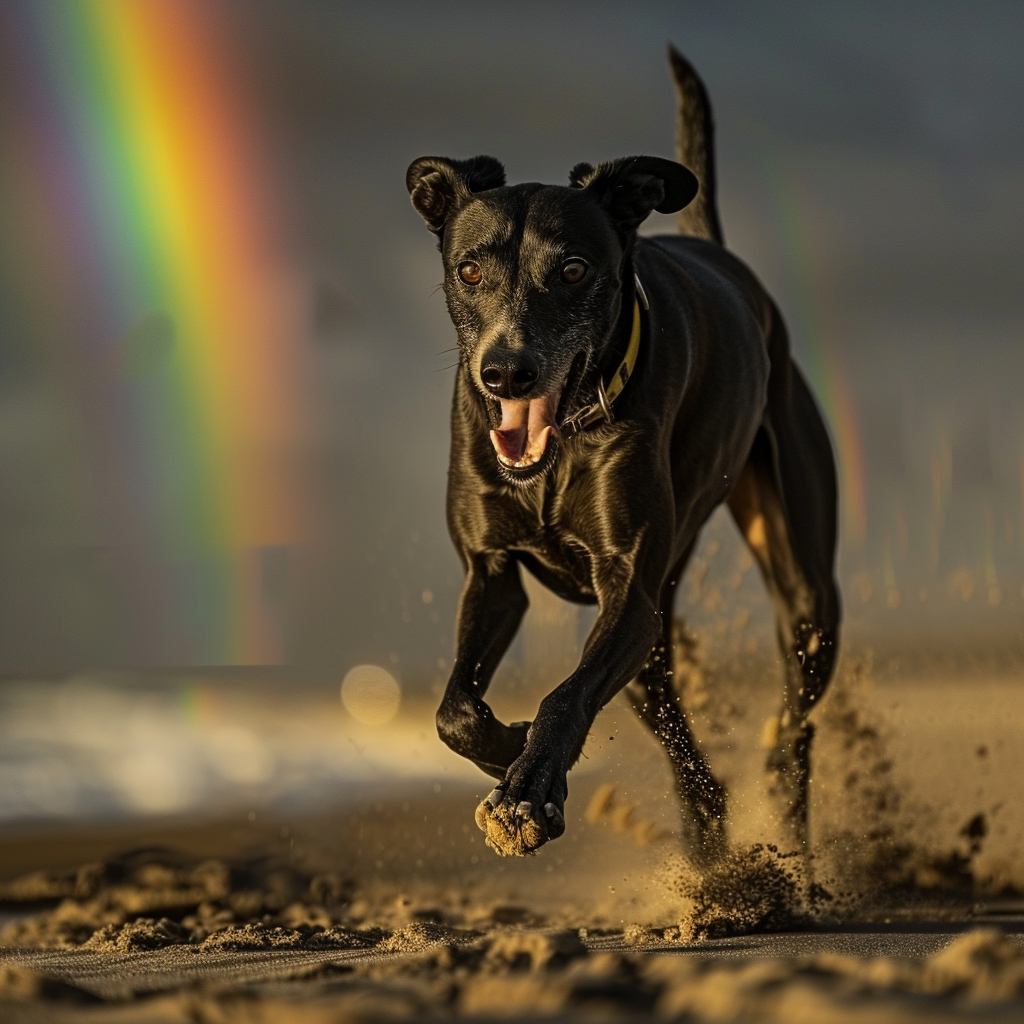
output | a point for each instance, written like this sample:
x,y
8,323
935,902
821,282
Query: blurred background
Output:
x,y
225,363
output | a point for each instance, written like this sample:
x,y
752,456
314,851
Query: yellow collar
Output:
x,y
601,410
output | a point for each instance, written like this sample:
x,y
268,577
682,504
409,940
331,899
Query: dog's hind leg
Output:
x,y
656,701
785,506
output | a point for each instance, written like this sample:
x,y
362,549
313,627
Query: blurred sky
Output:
x,y
871,169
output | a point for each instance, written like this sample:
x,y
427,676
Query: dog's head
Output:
x,y
535,280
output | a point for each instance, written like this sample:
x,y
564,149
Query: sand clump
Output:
x,y
641,935
534,950
982,963
422,935
77,883
152,899
750,890
607,808
143,933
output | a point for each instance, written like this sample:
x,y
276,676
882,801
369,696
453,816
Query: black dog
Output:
x,y
611,392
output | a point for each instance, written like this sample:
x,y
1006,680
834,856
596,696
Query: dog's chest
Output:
x,y
546,538
563,565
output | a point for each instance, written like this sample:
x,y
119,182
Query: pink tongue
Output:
x,y
542,414
511,437
525,426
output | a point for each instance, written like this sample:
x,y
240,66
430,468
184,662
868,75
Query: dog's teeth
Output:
x,y
527,460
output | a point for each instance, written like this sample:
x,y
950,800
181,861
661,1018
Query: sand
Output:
x,y
165,970
395,907
152,936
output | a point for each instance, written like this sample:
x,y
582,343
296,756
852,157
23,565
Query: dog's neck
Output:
x,y
615,364
614,349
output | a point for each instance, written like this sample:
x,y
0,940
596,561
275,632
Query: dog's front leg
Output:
x,y
490,609
527,808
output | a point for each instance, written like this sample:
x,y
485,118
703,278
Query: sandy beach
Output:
x,y
387,905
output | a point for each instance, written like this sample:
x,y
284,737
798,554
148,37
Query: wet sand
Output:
x,y
390,905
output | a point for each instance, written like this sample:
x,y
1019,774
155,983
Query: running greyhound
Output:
x,y
612,390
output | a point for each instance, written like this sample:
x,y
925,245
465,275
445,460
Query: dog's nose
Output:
x,y
509,375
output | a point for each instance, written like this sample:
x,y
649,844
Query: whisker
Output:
x,y
445,351
443,368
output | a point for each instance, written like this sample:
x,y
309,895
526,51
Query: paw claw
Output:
x,y
494,797
524,809
556,821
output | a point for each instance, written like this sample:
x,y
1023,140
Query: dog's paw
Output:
x,y
518,828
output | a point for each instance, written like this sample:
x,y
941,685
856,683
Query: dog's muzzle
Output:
x,y
527,425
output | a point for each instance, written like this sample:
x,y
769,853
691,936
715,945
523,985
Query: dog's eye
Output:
x,y
470,272
573,271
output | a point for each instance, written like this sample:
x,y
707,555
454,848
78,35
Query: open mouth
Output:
x,y
524,435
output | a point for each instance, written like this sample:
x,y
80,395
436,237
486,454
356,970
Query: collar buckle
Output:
x,y
587,417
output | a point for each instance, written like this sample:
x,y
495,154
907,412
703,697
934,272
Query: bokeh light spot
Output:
x,y
371,694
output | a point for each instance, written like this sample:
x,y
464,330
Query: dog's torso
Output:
x,y
683,430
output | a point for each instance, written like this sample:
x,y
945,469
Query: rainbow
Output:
x,y
141,253
814,333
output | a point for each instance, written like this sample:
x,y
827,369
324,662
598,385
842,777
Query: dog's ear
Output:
x,y
436,184
631,187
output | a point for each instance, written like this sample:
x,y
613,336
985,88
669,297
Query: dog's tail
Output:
x,y
695,148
